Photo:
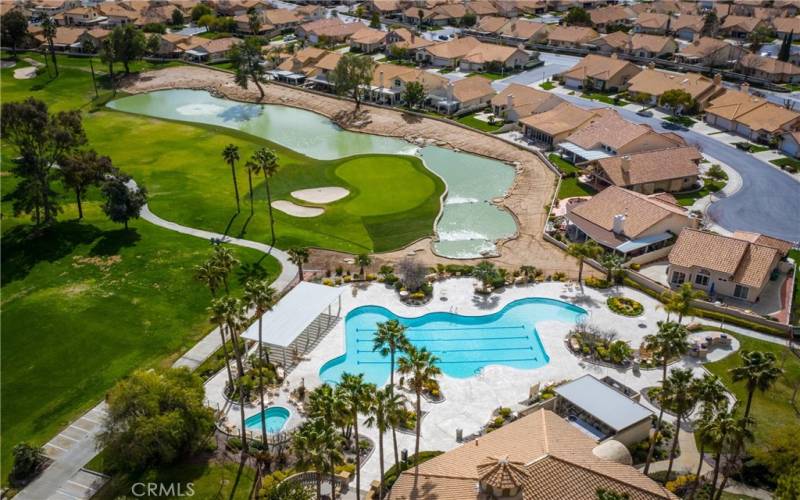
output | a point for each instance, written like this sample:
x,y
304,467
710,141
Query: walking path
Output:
x,y
73,447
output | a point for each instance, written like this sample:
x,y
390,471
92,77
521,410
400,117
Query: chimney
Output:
x,y
510,101
652,65
717,79
449,92
380,78
625,164
619,224
745,87
614,55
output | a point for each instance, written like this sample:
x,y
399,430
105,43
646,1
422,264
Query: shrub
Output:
x,y
559,276
635,266
390,279
348,279
417,296
504,412
234,443
372,277
593,282
625,306
27,462
327,282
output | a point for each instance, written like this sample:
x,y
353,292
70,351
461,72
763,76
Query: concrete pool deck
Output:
x,y
469,402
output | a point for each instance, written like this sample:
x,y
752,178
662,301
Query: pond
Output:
x,y
469,224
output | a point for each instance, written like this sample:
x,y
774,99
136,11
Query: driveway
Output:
x,y
553,64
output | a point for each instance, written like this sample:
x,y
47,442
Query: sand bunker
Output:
x,y
290,208
321,195
25,73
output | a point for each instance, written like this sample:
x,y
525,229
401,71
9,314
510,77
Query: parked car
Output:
x,y
443,37
645,112
289,38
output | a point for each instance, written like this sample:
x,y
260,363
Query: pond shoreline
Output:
x,y
526,199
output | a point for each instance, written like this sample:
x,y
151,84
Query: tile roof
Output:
x,y
747,263
611,14
522,29
608,128
768,65
281,16
490,24
522,96
454,49
652,20
743,23
617,40
563,118
487,52
656,82
501,473
430,81
651,166
688,21
642,211
572,34
472,87
704,46
597,67
786,24
557,458
781,246
652,43
368,36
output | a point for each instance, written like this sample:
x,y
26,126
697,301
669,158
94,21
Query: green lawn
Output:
x,y
750,147
209,480
490,75
570,187
563,165
547,85
772,409
791,165
710,186
470,121
604,98
86,303
795,316
683,121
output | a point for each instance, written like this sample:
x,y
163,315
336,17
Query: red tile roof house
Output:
x,y
738,266
627,222
611,16
652,82
571,36
518,101
790,144
709,52
670,170
652,23
600,73
687,26
740,27
768,69
652,46
751,117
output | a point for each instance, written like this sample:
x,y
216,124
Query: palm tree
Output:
x,y
389,339
332,444
49,29
759,372
231,156
298,256
208,274
265,161
613,264
733,433
251,169
711,395
260,296
486,273
217,317
420,366
680,302
669,342
306,443
224,260
235,316
357,395
681,400
382,411
327,404
363,261
583,251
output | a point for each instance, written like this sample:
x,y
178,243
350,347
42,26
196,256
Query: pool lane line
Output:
x,y
487,349
482,361
516,337
478,328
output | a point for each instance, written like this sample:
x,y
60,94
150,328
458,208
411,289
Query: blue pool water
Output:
x,y
464,344
276,417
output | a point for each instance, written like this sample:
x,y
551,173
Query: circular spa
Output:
x,y
464,344
275,416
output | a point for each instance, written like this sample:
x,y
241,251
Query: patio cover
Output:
x,y
631,245
294,313
588,154
603,402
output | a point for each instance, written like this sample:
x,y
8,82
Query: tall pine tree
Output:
x,y
786,47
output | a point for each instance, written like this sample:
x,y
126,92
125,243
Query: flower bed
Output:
x,y
594,345
625,306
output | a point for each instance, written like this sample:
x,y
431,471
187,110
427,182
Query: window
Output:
x,y
678,277
740,292
701,278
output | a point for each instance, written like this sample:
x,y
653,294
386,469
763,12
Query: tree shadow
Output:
x,y
111,242
251,271
230,223
235,484
410,118
243,230
25,246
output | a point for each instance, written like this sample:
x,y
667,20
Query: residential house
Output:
x,y
493,57
627,222
117,14
724,265
652,46
615,42
66,39
768,69
752,117
94,37
83,16
406,43
412,15
233,8
670,170
319,72
171,44
600,73
243,25
332,30
608,134
687,26
540,455
471,93
652,23
208,50
368,40
448,54
784,26
709,51
41,9
385,7
522,31
571,36
446,14
790,144
613,15
389,82
482,8
295,68
487,26
552,127
740,27
651,83
518,101
282,19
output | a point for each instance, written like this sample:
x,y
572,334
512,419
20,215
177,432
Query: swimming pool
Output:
x,y
276,418
464,344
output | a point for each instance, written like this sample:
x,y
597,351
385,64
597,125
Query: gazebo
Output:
x,y
298,321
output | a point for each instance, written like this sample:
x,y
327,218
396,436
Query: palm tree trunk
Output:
x,y
380,456
580,271
747,406
78,199
260,88
261,383
240,373
358,456
699,467
653,441
717,460
333,481
419,429
300,269
269,205
319,486
53,56
394,430
235,187
94,78
250,184
225,354
674,446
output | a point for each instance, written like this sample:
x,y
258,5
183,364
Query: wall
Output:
x,y
634,434
650,256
